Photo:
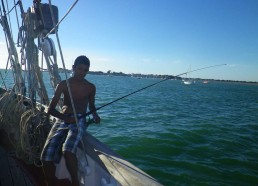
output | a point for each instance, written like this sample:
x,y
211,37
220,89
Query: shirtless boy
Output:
x,y
65,133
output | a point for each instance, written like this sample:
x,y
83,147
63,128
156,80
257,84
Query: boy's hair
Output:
x,y
81,60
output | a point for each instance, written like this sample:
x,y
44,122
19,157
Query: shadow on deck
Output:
x,y
14,172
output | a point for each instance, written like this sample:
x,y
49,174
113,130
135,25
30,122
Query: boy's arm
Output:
x,y
92,105
52,106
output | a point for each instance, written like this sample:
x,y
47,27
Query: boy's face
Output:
x,y
80,71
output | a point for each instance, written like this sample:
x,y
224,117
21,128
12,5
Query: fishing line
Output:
x,y
171,77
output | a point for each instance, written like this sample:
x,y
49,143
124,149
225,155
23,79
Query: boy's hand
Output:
x,y
70,120
96,118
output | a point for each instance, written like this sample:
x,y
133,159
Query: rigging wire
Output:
x,y
10,26
15,4
13,56
62,59
62,17
16,13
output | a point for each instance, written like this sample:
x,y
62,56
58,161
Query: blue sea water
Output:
x,y
200,134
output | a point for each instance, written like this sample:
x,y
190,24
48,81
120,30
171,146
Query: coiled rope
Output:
x,y
27,127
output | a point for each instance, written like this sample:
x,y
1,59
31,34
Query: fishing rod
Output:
x,y
94,110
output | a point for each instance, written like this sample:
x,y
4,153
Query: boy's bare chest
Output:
x,y
80,91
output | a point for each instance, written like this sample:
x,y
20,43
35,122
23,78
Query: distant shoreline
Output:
x,y
164,77
138,75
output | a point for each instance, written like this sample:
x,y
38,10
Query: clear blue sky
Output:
x,y
162,36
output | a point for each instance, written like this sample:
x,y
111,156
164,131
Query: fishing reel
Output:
x,y
90,120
